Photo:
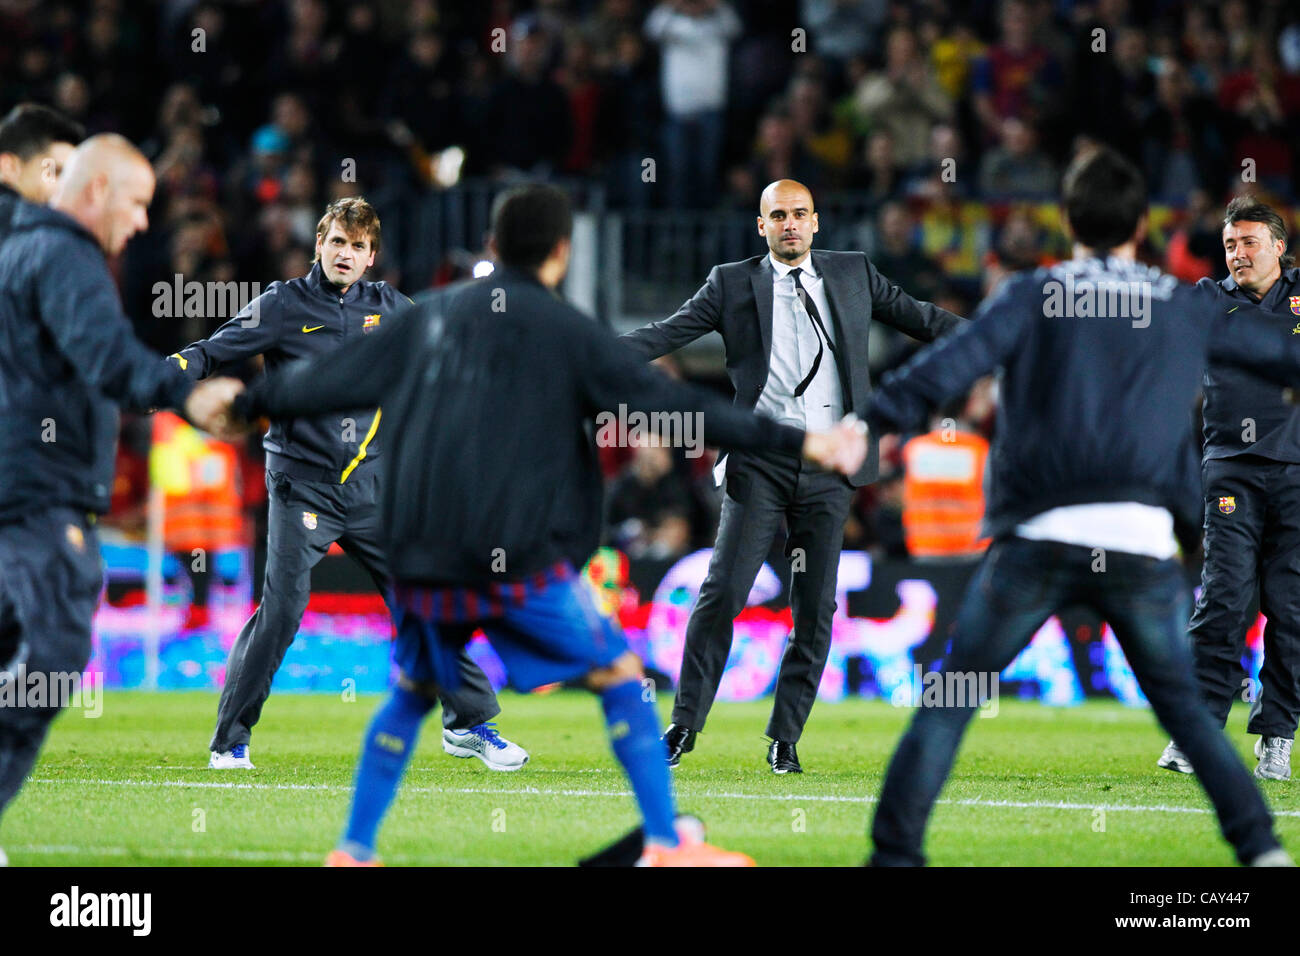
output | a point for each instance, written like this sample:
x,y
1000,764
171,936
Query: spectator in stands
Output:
x,y
694,37
1208,50
778,153
629,119
1021,244
823,136
605,30
1195,250
897,252
650,506
577,76
1018,77
954,50
947,173
1017,169
1111,95
895,248
72,99
904,99
420,94
1182,140
842,29
1263,104
528,118
881,177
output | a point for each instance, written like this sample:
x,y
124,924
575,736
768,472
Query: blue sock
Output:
x,y
385,751
634,735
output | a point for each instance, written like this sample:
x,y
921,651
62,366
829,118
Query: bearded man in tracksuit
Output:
x,y
322,476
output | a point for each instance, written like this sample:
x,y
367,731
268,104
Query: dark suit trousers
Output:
x,y
761,490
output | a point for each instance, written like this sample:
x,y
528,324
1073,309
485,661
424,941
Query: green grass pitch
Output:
x,y
1035,786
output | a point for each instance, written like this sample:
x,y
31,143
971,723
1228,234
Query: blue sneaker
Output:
x,y
483,741
236,758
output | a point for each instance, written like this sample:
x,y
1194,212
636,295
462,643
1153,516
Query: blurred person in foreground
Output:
x,y
68,359
1093,485
35,143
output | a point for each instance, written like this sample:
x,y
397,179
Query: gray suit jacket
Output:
x,y
736,301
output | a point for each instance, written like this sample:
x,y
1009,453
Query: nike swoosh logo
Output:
x,y
313,328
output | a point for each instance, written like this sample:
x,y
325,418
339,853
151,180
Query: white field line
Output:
x,y
624,794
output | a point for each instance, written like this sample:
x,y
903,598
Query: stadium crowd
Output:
x,y
247,110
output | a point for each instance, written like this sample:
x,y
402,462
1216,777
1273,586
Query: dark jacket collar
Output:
x,y
320,285
35,215
1289,276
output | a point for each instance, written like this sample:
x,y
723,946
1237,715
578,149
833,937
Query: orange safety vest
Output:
x,y
200,479
943,494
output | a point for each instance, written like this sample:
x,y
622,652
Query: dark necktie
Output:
x,y
819,330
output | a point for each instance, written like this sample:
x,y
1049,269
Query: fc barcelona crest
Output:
x,y
1228,504
371,322
1295,304
309,519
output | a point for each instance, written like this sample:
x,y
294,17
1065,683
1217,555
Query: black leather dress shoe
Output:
x,y
680,740
781,757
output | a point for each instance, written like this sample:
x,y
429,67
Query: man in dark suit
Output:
x,y
795,327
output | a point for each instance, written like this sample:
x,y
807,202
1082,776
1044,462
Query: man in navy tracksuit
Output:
x,y
68,360
322,476
1251,479
1093,474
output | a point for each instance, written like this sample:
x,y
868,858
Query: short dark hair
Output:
x,y
1105,197
528,221
30,128
1250,209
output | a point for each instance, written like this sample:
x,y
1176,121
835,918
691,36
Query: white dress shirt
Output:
x,y
794,347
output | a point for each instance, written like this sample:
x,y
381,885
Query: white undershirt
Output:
x,y
1111,525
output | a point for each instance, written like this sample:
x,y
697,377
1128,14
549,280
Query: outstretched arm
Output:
x,y
949,367
355,377
80,308
699,315
254,330
893,306
609,376
1247,336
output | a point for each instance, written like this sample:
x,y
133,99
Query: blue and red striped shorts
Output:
x,y
545,628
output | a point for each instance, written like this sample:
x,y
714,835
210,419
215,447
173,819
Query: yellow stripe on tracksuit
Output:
x,y
374,427
361,453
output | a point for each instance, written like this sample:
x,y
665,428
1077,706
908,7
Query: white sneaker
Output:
x,y
1274,755
4,860
236,758
1274,857
1173,759
483,741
